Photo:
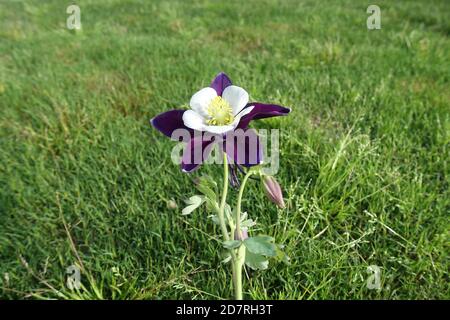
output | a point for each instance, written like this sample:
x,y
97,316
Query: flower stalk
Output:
x,y
238,265
240,258
237,256
223,201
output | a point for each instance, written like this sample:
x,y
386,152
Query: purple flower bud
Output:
x,y
242,236
273,191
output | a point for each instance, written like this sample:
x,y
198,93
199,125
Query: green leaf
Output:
x,y
211,205
192,203
266,238
208,187
281,256
228,213
261,245
207,192
226,257
248,223
255,261
210,182
256,169
215,219
232,244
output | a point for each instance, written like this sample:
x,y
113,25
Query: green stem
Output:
x,y
221,213
240,257
239,200
238,264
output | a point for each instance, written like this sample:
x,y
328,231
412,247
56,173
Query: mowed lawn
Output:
x,y
85,180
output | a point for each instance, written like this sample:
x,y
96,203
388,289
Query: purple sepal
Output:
x,y
220,82
169,121
261,111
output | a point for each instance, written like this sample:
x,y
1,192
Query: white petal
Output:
x,y
236,97
218,129
201,100
193,120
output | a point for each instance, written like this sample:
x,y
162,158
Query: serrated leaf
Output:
x,y
211,205
194,199
281,256
192,203
210,181
188,210
248,223
207,192
256,261
261,245
208,187
232,244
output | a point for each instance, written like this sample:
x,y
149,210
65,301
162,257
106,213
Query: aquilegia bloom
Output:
x,y
220,115
217,113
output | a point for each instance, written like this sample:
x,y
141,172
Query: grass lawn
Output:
x,y
84,178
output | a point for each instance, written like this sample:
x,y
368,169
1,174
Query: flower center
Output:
x,y
220,112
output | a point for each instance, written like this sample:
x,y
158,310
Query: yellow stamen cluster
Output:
x,y
220,112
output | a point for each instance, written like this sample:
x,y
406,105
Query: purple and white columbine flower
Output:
x,y
217,114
